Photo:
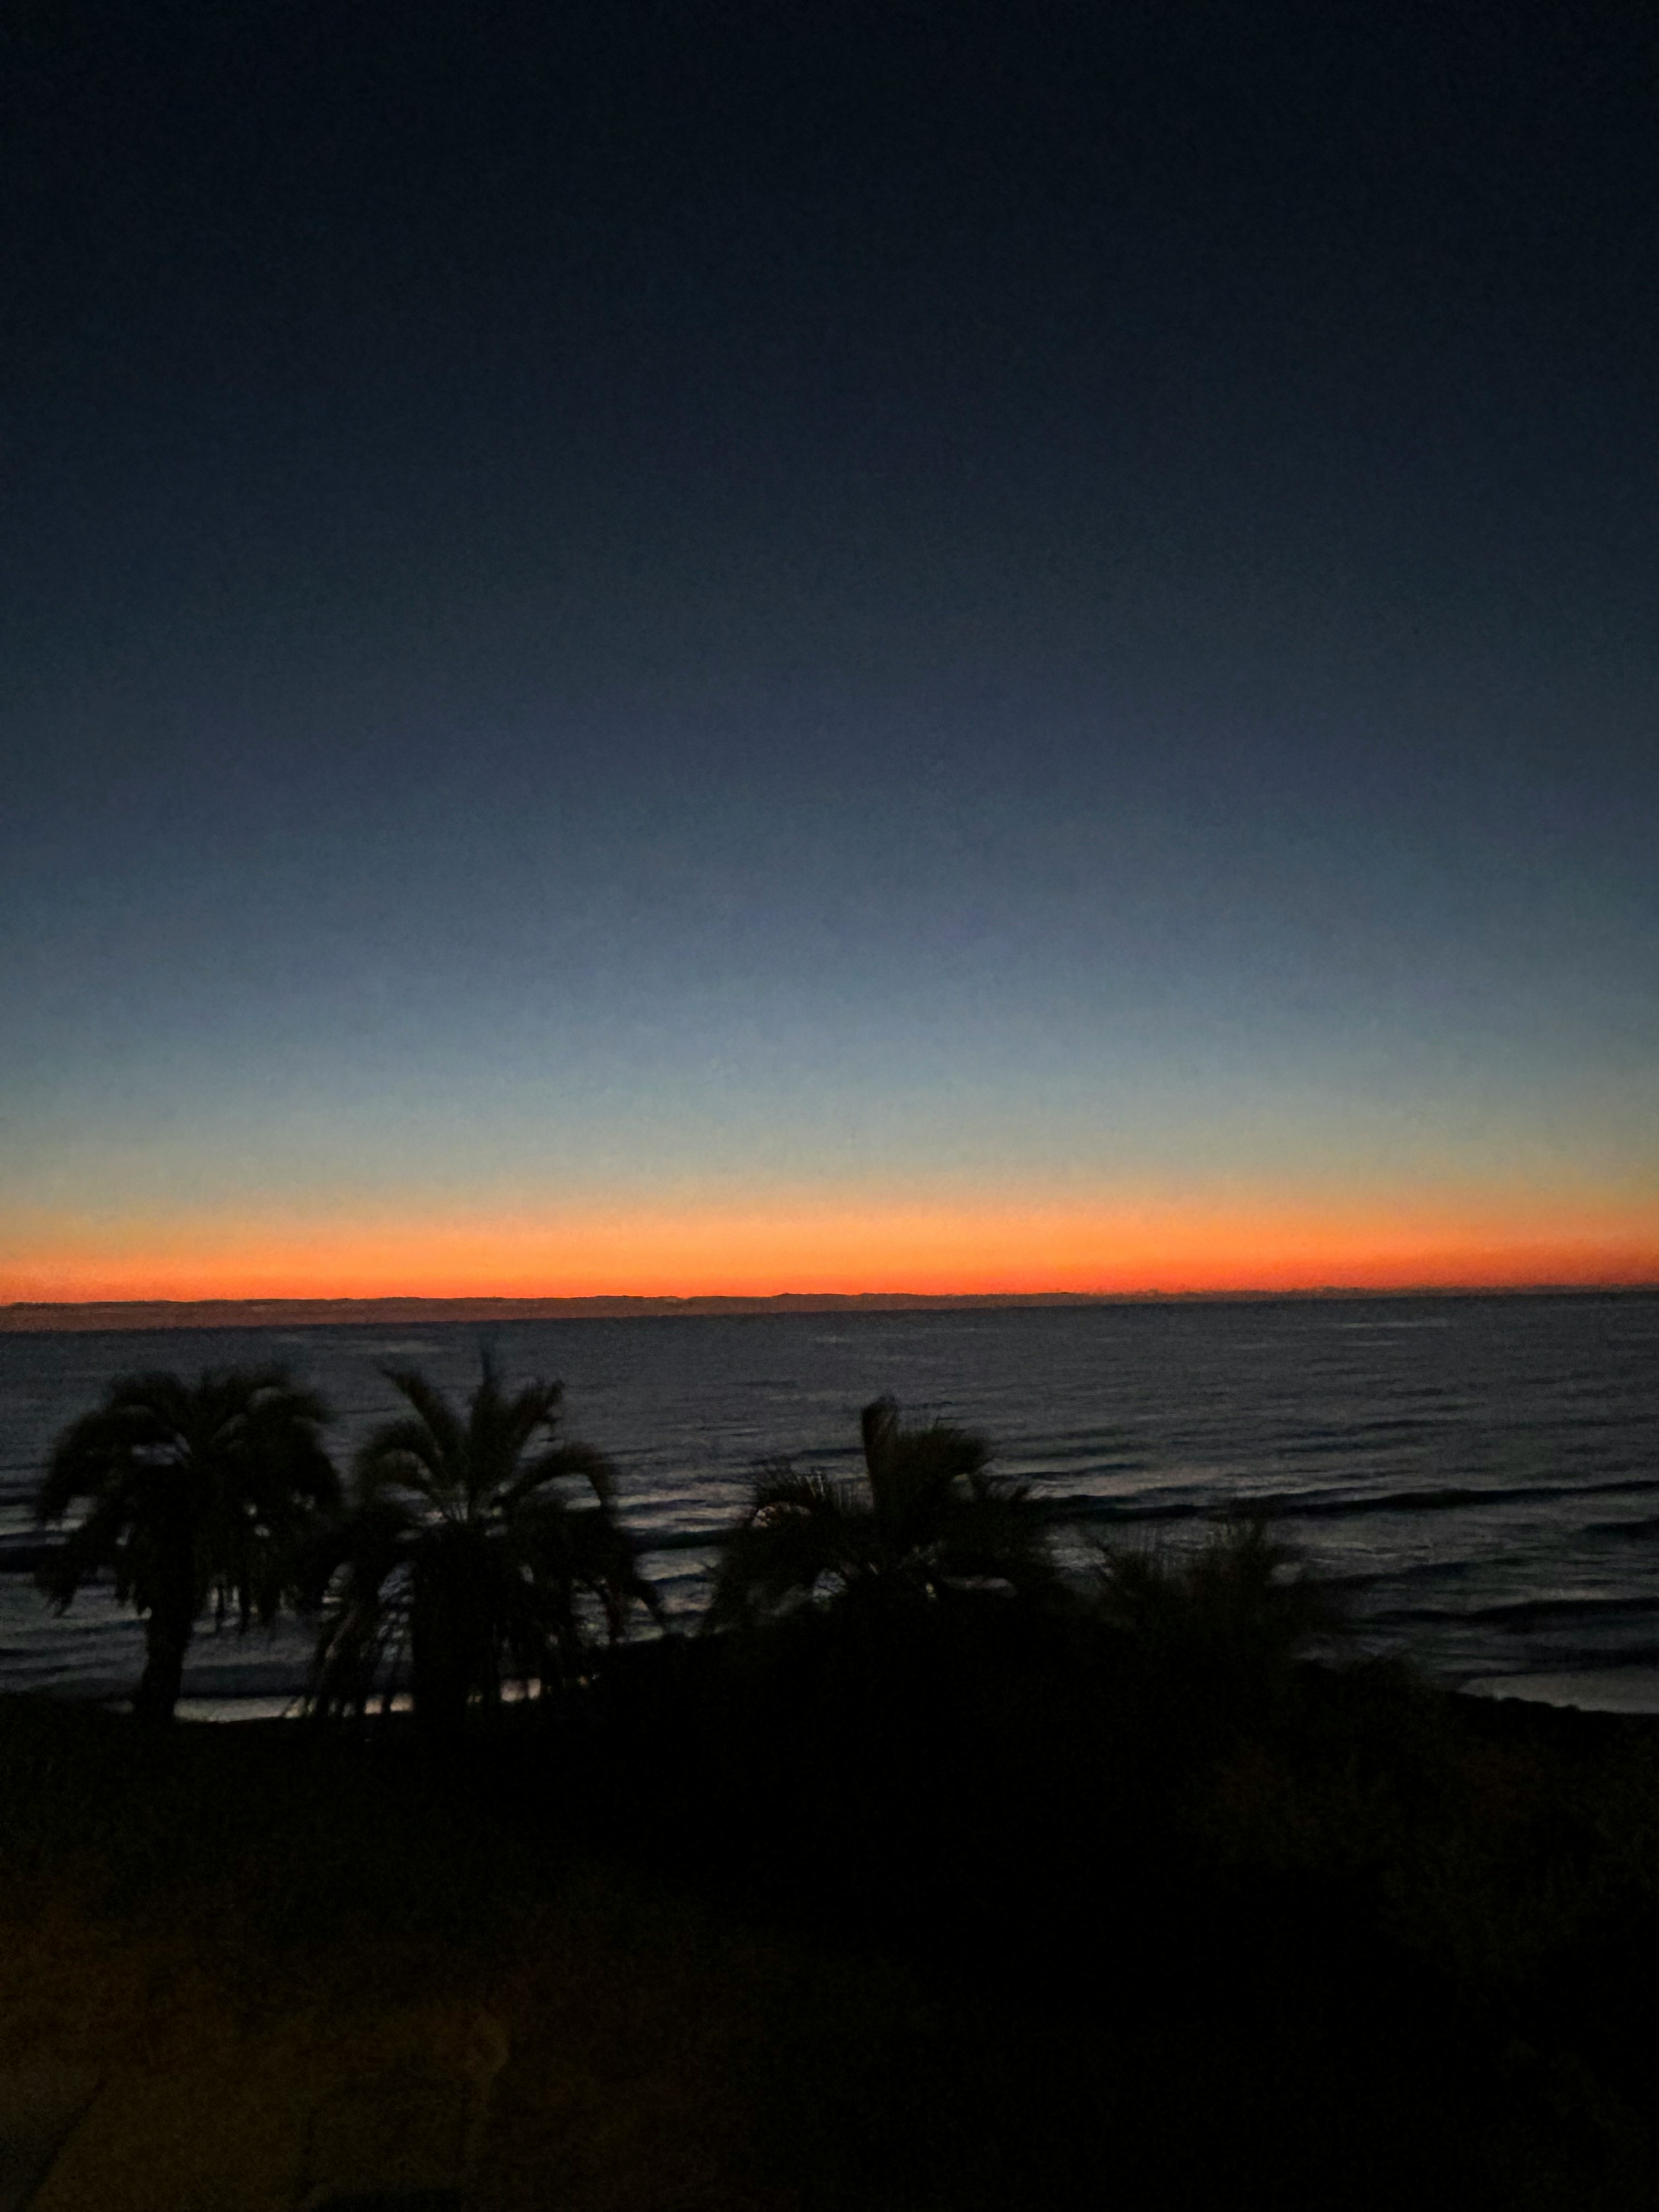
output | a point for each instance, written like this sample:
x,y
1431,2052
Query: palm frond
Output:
x,y
803,1529
485,1459
569,1462
910,1469
445,1450
927,1519
403,1453
535,1410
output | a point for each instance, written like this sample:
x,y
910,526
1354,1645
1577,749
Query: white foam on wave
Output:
x,y
1608,1689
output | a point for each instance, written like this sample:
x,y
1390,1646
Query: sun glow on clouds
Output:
x,y
1115,1241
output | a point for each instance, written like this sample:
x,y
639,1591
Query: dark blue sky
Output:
x,y
730,606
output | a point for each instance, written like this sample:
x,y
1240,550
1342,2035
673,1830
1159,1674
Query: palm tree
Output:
x,y
927,1524
200,1496
464,1545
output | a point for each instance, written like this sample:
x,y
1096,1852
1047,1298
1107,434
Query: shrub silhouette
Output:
x,y
1221,1625
926,1526
463,1547
199,1494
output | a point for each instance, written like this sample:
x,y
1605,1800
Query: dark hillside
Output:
x,y
993,1919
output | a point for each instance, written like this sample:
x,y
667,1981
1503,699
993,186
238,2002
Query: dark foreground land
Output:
x,y
806,1922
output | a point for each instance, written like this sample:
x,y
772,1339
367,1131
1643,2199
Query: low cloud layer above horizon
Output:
x,y
728,649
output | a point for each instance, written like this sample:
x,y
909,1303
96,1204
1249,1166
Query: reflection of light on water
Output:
x,y
237,1709
1387,1324
289,1709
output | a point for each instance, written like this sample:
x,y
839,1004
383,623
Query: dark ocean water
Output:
x,y
1482,1475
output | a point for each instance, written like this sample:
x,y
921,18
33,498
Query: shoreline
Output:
x,y
1603,1694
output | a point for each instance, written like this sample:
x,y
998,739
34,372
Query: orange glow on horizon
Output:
x,y
1112,1245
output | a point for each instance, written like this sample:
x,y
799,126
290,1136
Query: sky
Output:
x,y
742,648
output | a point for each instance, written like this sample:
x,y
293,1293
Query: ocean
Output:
x,y
1479,1475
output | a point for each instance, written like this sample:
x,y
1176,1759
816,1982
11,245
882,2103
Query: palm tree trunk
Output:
x,y
166,1638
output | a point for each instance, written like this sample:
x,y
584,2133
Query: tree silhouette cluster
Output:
x,y
477,1550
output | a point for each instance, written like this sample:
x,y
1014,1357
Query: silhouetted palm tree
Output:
x,y
464,1546
927,1523
201,1494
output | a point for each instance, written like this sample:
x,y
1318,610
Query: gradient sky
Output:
x,y
741,648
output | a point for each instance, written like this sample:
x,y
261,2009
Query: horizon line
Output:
x,y
43,1313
